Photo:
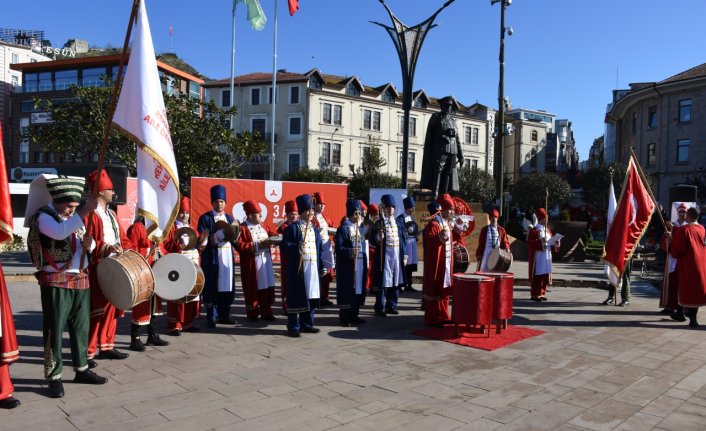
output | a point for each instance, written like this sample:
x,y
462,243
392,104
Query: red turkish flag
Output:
x,y
6,207
635,208
293,7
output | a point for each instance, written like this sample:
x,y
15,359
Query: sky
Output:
x,y
564,57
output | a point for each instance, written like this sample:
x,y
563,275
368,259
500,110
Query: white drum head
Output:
x,y
115,283
174,276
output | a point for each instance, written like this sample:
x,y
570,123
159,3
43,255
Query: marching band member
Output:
x,y
256,264
438,262
143,312
292,213
373,215
323,223
56,246
217,261
388,237
491,236
669,296
181,315
540,257
9,351
411,251
110,241
301,244
351,272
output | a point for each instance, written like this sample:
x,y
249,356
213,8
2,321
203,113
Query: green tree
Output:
x,y
324,174
595,183
368,175
203,145
530,191
476,185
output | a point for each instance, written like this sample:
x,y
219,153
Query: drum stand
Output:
x,y
482,328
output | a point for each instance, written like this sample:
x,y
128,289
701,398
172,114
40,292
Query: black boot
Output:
x,y
153,338
135,342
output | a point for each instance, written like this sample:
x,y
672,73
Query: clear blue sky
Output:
x,y
565,57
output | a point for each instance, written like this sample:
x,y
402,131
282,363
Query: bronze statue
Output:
x,y
442,150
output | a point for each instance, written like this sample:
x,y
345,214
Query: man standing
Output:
x,y
301,244
388,237
670,291
412,229
540,257
442,150
688,246
491,236
56,241
217,260
256,264
352,270
438,263
323,223
110,241
9,351
292,213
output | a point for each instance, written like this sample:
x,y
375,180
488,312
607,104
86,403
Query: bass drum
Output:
x,y
461,259
197,289
126,279
499,260
174,276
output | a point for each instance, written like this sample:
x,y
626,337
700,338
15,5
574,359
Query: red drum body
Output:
x,y
461,259
503,294
472,299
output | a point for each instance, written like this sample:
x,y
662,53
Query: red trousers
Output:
x,y
436,311
181,315
101,331
6,387
539,285
142,313
325,284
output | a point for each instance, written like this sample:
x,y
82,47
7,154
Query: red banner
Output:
x,y
6,208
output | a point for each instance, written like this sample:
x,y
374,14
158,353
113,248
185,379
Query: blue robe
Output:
x,y
296,289
209,259
377,268
345,264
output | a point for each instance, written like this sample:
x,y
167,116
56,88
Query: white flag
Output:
x,y
141,116
612,204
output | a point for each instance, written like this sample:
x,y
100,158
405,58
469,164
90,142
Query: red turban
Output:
x,y
445,201
318,198
251,207
104,182
541,213
185,204
373,209
290,206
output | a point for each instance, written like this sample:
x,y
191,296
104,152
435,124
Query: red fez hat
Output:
x,y
185,204
682,207
290,206
318,198
104,182
251,207
362,205
541,213
494,213
445,201
373,209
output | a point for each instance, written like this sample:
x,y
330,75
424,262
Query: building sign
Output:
x,y
49,50
41,118
26,175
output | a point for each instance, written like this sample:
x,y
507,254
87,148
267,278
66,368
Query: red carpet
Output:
x,y
476,339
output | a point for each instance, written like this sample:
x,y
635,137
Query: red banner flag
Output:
x,y
6,207
293,7
635,208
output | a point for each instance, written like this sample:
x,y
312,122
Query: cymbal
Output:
x,y
186,230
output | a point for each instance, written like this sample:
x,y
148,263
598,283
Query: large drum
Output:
x,y
174,276
461,259
472,300
502,296
195,292
126,279
499,260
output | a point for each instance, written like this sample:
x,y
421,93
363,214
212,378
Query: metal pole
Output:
x,y
274,99
232,69
500,133
406,106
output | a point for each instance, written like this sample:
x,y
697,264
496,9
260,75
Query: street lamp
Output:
x,y
500,130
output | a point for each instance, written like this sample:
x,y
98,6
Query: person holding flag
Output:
x,y
669,298
540,257
625,281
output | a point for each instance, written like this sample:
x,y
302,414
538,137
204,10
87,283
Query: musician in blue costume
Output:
x,y
301,246
388,237
412,229
217,261
352,265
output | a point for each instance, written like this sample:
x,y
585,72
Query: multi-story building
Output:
x,y
664,122
596,155
328,120
51,80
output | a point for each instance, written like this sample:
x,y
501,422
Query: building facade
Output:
x,y
328,120
664,123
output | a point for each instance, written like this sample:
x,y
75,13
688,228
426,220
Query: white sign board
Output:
x,y
673,216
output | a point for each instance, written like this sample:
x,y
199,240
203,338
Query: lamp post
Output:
x,y
500,131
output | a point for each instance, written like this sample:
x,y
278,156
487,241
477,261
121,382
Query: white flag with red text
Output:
x,y
141,115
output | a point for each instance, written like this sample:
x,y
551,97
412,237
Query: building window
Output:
x,y
352,90
474,136
294,95
376,120
194,90
467,133
295,126
336,154
93,77
269,95
45,83
474,163
326,113
412,126
651,154
683,150
24,152
314,83
39,157
533,159
294,161
15,81
388,96
419,103
685,110
337,114
225,98
371,120
15,58
535,136
330,154
254,96
51,158
367,118
95,157
633,126
652,117
259,125
411,159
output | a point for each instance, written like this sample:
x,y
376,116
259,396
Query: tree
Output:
x,y
530,191
595,185
476,186
368,175
325,174
203,145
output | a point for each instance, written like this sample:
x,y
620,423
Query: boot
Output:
x,y
153,338
135,342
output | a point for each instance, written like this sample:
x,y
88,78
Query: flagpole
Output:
x,y
274,100
647,185
111,111
232,70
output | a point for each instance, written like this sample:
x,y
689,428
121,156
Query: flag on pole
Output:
x,y
171,30
6,208
612,204
256,15
141,115
293,7
631,218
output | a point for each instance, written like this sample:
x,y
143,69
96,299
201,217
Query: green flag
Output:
x,y
256,16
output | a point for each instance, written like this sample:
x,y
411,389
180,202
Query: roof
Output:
x,y
695,72
258,78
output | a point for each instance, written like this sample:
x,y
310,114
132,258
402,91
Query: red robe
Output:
x,y
256,301
326,279
436,297
9,351
483,238
688,246
180,315
534,244
142,312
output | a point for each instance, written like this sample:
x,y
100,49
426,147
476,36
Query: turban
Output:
x,y
290,206
104,182
185,204
303,203
66,189
318,198
388,200
446,202
251,207
218,192
408,202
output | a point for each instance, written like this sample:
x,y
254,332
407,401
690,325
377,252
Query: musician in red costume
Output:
x,y
9,351
372,215
292,213
257,271
323,223
540,257
102,225
687,245
181,315
491,236
438,264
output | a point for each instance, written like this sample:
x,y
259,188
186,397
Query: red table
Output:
x,y
472,300
502,297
